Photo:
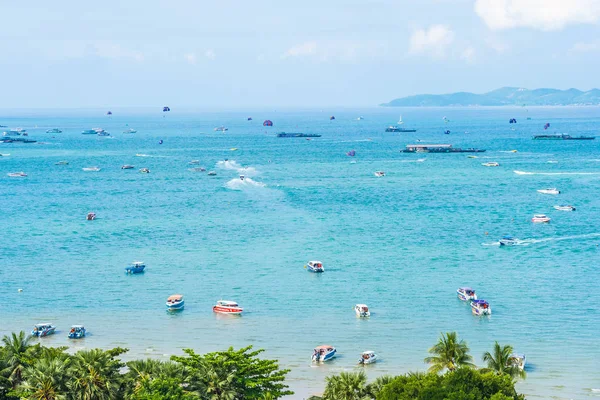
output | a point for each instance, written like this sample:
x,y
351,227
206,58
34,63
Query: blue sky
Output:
x,y
235,54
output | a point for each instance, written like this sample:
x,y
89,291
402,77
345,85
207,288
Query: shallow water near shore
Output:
x,y
401,243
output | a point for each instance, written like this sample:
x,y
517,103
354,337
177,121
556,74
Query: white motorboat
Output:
x,y
175,302
144,170
508,241
130,131
540,218
194,162
518,360
315,266
127,166
62,163
564,208
221,129
466,294
490,164
379,173
368,357
91,169
43,329
362,310
481,307
549,191
17,174
323,353
212,173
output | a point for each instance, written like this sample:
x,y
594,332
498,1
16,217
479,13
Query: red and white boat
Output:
x,y
540,218
227,307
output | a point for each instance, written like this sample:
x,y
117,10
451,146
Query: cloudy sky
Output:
x,y
268,53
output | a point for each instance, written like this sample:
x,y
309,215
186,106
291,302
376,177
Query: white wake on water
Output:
x,y
554,173
527,242
232,165
246,183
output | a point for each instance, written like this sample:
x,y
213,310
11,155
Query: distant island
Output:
x,y
506,96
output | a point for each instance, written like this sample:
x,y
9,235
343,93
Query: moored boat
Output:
x,y
466,294
54,130
563,137
136,267
508,241
315,266
221,129
194,162
91,169
393,128
379,173
77,332
517,360
127,166
549,191
564,208
540,218
212,173
438,148
90,216
130,131
61,163
323,353
480,307
43,329
490,164
175,302
362,310
297,135
227,307
144,170
17,174
368,357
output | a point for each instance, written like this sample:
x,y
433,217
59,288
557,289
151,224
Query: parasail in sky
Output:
x,y
268,122
351,153
331,118
546,125
165,109
109,113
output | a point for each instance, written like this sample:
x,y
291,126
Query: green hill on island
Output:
x,y
506,96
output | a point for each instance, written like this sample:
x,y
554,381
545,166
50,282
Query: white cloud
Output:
x,y
190,58
545,15
115,51
210,54
586,47
432,41
301,50
468,54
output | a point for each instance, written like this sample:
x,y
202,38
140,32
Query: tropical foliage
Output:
x,y
449,353
500,361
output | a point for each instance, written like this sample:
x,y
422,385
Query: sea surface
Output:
x,y
402,243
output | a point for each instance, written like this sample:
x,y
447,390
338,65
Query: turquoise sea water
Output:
x,y
401,244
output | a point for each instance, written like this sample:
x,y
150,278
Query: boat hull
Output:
x,y
135,270
175,306
325,358
227,310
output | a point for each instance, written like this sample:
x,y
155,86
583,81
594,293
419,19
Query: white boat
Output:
x,y
368,357
127,166
379,173
144,170
481,307
77,332
549,191
362,310
91,169
130,131
540,218
227,307
490,164
197,169
323,353
212,173
194,162
564,208
360,118
242,177
466,294
54,130
508,241
518,360
90,216
62,163
17,174
315,266
221,129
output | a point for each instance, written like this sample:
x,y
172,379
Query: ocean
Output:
x,y
402,243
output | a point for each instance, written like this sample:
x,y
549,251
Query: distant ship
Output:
x,y
296,135
563,137
438,148
393,128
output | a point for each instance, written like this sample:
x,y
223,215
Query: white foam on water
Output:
x,y
247,183
554,173
232,165
527,242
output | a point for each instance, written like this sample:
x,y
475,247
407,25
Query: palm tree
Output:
x,y
449,353
376,386
46,380
220,385
347,386
17,356
500,361
96,376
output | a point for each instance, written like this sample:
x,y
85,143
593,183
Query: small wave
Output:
x,y
142,155
527,242
232,165
247,183
554,173
412,161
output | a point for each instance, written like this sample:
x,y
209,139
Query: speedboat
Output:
x,y
175,302
103,133
77,332
130,131
17,174
480,307
540,218
14,132
212,173
466,294
564,208
91,169
379,173
194,162
323,353
242,177
89,132
490,164
198,169
220,129
517,360
62,163
137,267
472,157
145,171
54,130
367,357
362,310
127,166
227,307
90,216
508,241
549,191
43,329
315,266
360,118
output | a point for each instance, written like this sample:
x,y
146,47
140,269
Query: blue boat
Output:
x,y
137,267
323,353
77,332
44,329
175,302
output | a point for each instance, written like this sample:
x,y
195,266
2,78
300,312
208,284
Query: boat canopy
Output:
x,y
480,302
77,327
324,346
466,288
43,325
138,263
227,303
175,297
369,352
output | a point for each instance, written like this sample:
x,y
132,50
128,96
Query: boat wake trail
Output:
x,y
232,165
527,242
246,183
554,173
411,161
